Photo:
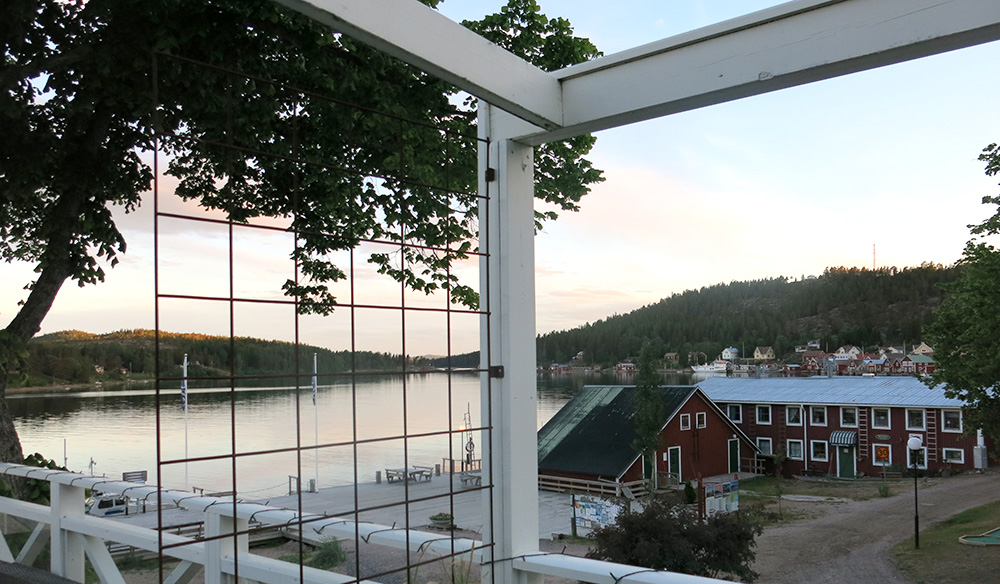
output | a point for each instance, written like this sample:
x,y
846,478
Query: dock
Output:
x,y
384,503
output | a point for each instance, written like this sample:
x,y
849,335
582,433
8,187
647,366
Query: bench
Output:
x,y
415,473
888,474
471,479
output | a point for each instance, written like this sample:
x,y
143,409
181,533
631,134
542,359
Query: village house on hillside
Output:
x,y
846,426
587,445
763,353
847,352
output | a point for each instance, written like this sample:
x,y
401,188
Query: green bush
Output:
x,y
664,536
35,491
690,496
327,555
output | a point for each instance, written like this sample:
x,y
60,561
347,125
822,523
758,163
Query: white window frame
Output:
x,y
729,413
961,421
922,427
760,409
788,450
960,451
875,460
909,458
701,419
888,417
826,450
844,424
789,410
685,421
812,421
770,445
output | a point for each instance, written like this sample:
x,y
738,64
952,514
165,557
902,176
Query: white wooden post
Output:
x,y
217,523
66,546
511,456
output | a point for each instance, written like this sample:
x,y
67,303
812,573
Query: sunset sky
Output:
x,y
782,184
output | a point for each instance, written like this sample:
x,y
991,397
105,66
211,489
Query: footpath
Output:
x,y
850,541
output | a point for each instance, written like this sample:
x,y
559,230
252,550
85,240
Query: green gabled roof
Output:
x,y
593,433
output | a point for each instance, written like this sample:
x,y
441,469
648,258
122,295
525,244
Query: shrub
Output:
x,y
690,496
327,555
670,537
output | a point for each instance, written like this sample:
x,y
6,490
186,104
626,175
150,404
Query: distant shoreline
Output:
x,y
72,387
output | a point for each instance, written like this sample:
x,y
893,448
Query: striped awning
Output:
x,y
843,438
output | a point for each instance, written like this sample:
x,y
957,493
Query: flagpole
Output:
x,y
184,408
315,422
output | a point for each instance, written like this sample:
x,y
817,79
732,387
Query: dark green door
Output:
x,y
845,458
674,464
734,455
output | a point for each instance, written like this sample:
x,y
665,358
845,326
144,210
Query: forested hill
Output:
x,y
73,357
843,306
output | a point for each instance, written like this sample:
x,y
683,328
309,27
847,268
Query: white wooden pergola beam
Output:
x,y
791,44
414,33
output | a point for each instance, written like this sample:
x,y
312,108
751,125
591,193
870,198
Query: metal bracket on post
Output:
x,y
496,372
491,174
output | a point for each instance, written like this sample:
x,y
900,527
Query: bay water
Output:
x,y
355,429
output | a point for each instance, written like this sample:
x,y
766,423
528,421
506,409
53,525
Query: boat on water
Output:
x,y
106,505
717,366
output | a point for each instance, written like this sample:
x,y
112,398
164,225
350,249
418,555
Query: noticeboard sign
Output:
x,y
594,512
722,497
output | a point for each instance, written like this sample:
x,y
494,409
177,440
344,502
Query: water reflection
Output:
x,y
118,429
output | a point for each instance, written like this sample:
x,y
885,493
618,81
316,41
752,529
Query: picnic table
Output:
x,y
472,479
414,473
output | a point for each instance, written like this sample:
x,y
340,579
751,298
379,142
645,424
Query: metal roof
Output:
x,y
874,391
593,433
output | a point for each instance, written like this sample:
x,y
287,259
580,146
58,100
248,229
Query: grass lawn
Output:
x,y
762,492
941,558
858,490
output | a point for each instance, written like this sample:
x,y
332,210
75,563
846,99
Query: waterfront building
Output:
x,y
848,426
587,445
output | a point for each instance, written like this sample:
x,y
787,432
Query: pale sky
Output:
x,y
786,183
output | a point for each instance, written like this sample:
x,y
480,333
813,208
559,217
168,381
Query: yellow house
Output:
x,y
763,354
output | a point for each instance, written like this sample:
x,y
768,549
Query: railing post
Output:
x,y
508,282
66,546
218,523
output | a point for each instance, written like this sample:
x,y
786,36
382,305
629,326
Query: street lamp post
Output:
x,y
915,444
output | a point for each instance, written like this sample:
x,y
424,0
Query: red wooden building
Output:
x,y
846,426
588,443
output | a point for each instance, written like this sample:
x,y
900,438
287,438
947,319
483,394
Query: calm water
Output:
x,y
117,429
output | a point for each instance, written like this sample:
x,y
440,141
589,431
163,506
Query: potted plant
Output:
x,y
442,520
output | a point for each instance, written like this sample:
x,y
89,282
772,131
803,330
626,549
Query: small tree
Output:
x,y
669,537
648,418
963,334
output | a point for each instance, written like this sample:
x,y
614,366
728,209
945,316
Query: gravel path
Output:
x,y
849,542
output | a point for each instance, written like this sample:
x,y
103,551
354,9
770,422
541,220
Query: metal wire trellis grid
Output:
x,y
287,214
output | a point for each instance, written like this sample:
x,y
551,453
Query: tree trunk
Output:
x,y
10,445
25,324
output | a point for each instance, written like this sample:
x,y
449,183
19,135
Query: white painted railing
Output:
x,y
73,535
